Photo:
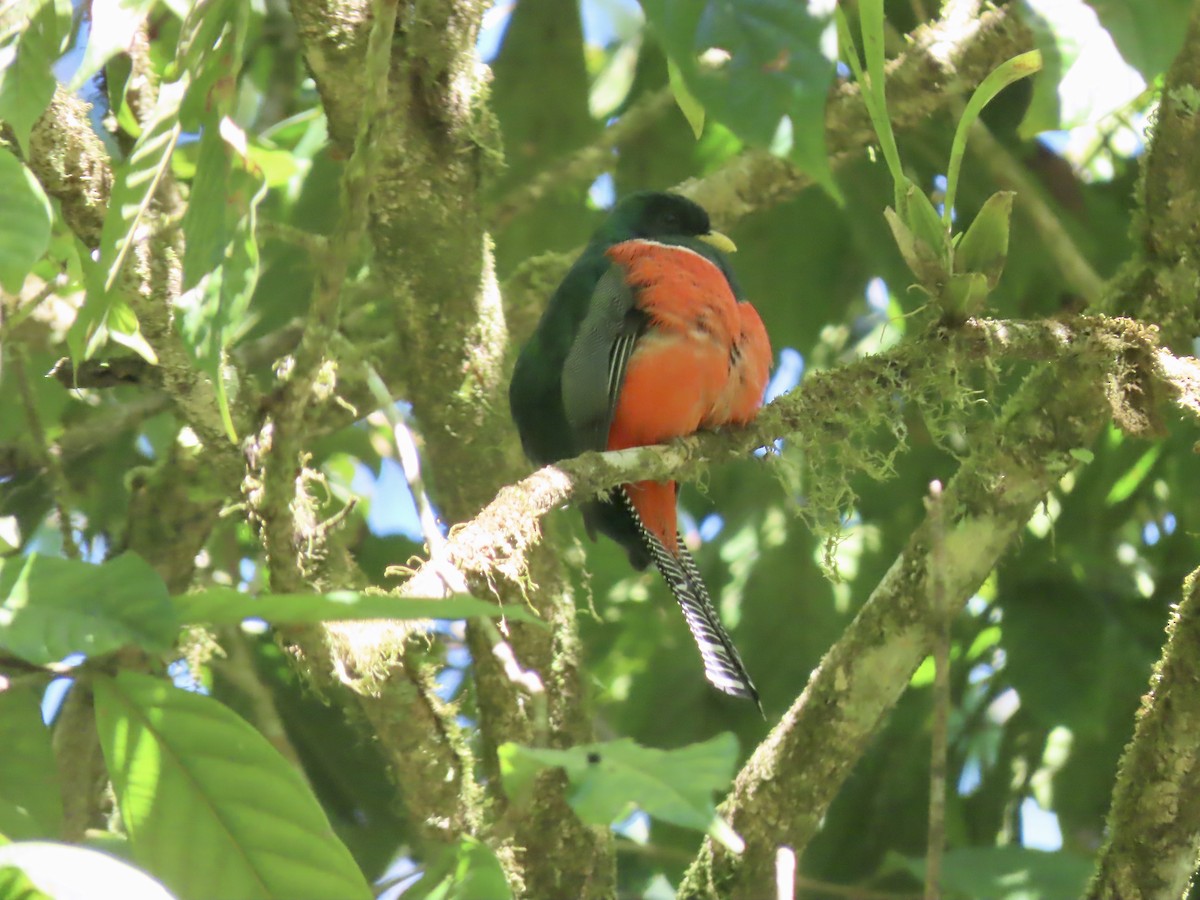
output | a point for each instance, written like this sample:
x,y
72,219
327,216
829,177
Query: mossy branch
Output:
x,y
496,541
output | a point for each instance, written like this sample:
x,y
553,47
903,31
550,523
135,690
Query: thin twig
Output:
x,y
315,246
238,668
526,679
49,455
940,608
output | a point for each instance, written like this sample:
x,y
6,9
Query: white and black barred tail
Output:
x,y
722,665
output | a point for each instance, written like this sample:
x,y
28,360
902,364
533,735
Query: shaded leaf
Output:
x,y
184,764
30,799
52,607
767,75
676,786
1006,873
226,606
464,872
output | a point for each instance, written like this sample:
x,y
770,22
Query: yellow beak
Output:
x,y
720,241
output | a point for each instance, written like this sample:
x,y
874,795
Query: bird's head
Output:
x,y
660,216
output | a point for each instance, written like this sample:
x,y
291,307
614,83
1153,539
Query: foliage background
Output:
x,y
233,231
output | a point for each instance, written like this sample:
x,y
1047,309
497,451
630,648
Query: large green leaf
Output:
x,y
676,786
25,225
225,606
210,806
766,70
31,38
30,799
67,872
52,607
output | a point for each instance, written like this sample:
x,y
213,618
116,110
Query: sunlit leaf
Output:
x,y
225,606
196,784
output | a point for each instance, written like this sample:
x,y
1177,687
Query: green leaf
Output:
x,y
767,75
16,885
607,778
25,224
1125,486
927,226
137,179
68,872
984,873
1085,77
221,260
984,247
1149,35
692,109
225,606
104,313
52,607
28,50
184,764
113,25
30,799
998,79
465,872
871,21
922,239
213,311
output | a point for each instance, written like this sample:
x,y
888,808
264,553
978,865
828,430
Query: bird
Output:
x,y
647,339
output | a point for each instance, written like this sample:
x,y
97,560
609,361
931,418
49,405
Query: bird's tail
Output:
x,y
723,666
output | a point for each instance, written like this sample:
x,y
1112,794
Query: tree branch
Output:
x,y
1154,824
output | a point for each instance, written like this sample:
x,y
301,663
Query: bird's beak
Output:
x,y
720,241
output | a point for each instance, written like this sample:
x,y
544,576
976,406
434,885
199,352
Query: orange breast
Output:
x,y
680,369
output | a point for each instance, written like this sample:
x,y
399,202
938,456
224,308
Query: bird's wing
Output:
x,y
595,365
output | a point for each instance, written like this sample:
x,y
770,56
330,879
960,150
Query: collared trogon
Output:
x,y
646,340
